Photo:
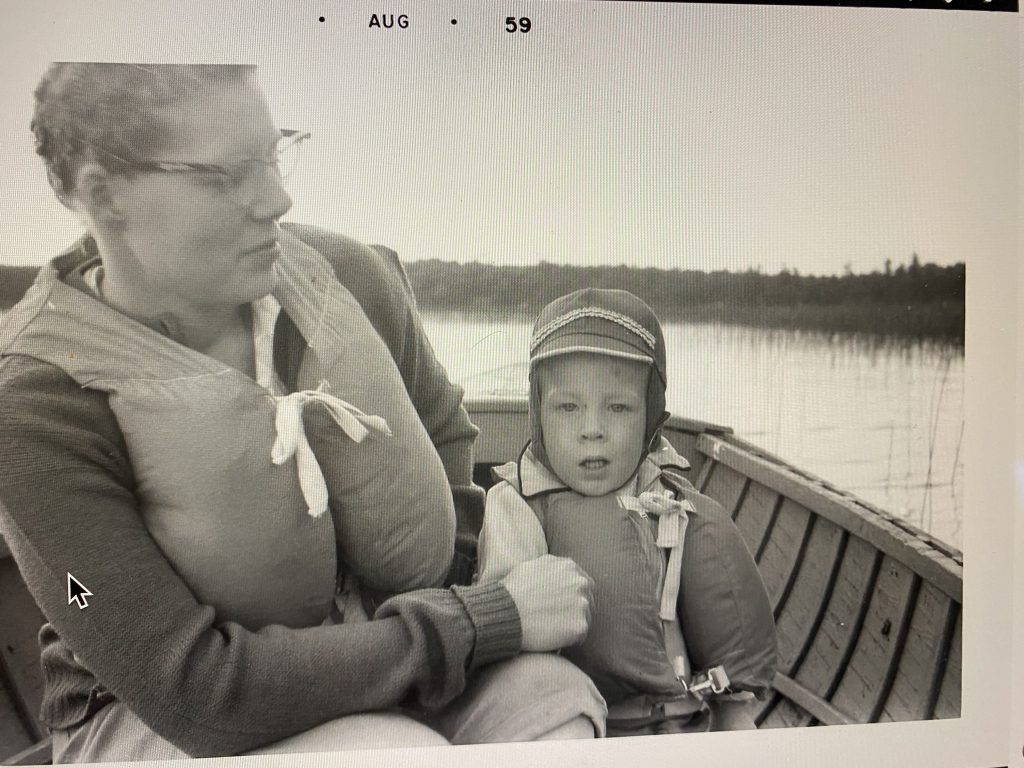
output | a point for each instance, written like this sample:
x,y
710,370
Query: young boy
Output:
x,y
599,484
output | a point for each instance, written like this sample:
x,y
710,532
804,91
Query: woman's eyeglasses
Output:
x,y
240,181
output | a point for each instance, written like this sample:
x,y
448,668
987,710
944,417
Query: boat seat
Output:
x,y
469,516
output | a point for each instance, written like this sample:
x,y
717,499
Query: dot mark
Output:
x,y
454,22
322,19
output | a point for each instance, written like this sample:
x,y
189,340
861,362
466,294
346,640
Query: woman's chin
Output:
x,y
262,283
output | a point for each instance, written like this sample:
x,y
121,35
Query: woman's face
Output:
x,y
186,235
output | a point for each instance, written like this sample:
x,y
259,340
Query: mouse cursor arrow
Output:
x,y
77,592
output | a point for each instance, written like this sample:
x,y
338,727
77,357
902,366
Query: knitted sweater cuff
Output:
x,y
495,618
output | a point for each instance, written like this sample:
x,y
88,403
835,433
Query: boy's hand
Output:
x,y
553,596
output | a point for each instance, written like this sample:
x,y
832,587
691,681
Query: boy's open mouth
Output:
x,y
594,463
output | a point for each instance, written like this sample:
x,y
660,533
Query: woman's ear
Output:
x,y
94,194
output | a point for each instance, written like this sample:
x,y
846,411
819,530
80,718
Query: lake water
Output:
x,y
883,420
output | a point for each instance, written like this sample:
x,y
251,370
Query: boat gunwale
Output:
x,y
929,558
945,548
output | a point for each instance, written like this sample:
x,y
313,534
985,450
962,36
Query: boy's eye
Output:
x,y
619,408
567,407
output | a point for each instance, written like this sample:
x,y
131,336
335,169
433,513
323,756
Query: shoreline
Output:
x,y
922,304
934,323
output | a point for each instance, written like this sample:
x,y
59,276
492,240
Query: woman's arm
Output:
x,y
67,505
438,401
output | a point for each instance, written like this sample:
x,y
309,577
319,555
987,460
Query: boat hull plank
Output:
x,y
726,486
948,704
756,516
800,617
870,673
780,558
877,528
821,670
919,675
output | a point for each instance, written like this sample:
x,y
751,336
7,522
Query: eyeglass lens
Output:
x,y
287,159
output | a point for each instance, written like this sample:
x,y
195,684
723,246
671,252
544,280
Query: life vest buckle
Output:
x,y
714,681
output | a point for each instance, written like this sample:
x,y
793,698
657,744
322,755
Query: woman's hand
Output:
x,y
553,596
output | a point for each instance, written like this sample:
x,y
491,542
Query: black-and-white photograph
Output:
x,y
379,379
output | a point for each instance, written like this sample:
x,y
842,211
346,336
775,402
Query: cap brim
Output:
x,y
592,343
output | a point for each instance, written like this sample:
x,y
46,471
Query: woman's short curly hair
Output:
x,y
101,112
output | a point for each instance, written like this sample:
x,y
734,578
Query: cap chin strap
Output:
x,y
656,432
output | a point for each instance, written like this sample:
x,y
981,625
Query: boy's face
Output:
x,y
593,419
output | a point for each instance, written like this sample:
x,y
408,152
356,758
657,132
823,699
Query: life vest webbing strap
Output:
x,y
640,708
675,649
672,522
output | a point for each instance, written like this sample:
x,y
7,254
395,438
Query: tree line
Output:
x,y
916,300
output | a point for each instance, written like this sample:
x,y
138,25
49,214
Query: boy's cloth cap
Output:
x,y
601,321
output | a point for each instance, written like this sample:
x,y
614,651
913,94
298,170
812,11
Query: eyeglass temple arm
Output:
x,y
294,136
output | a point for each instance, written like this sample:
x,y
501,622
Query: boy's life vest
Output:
x,y
722,605
238,527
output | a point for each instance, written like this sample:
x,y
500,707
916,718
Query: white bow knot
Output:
x,y
291,438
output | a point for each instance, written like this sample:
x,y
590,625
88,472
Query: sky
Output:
x,y
693,137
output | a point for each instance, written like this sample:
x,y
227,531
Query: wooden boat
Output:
x,y
867,608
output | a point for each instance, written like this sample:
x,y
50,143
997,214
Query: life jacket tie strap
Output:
x,y
672,521
291,438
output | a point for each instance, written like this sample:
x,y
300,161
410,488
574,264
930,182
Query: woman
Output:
x,y
183,396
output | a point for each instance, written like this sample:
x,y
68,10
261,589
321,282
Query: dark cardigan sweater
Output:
x,y
210,688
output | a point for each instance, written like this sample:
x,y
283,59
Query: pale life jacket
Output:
x,y
722,615
238,527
